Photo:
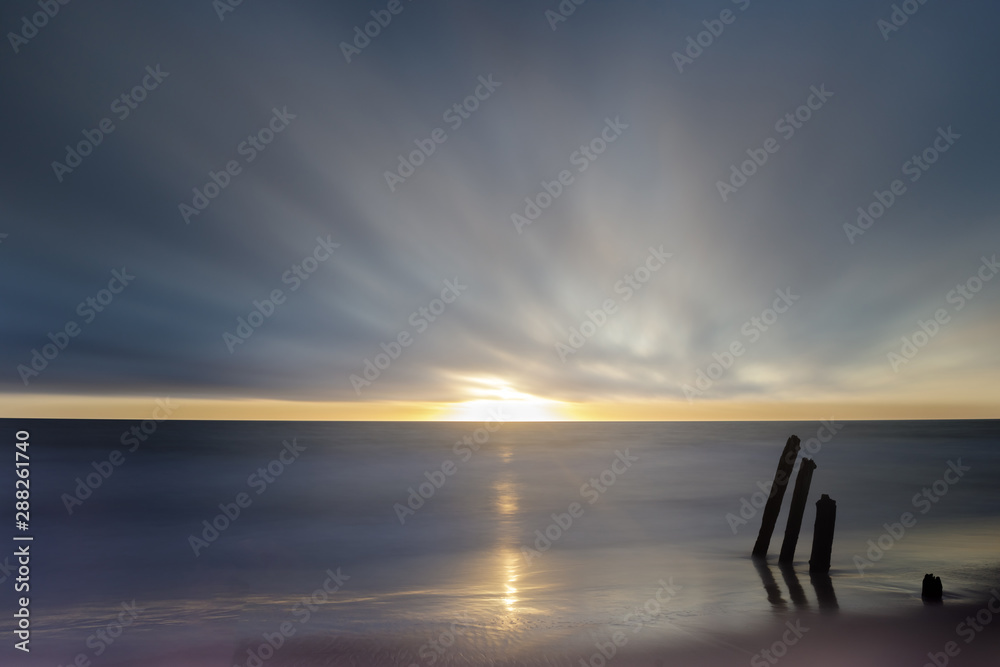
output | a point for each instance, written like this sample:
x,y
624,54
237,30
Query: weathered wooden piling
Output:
x,y
777,494
826,520
798,507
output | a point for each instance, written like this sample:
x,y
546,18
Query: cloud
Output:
x,y
655,185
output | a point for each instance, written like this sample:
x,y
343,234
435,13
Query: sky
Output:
x,y
627,210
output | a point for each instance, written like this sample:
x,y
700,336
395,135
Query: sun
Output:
x,y
537,410
501,401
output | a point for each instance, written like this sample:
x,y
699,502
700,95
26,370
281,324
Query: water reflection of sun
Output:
x,y
506,504
510,569
505,501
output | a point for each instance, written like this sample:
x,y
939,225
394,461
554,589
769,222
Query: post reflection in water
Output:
x,y
821,583
795,590
506,504
823,586
770,585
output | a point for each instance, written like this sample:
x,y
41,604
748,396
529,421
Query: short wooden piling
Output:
x,y
826,520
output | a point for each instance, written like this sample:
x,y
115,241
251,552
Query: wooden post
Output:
x,y
932,589
796,510
826,519
777,494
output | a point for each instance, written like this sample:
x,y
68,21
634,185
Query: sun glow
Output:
x,y
498,401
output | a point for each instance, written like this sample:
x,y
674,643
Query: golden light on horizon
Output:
x,y
524,407
499,401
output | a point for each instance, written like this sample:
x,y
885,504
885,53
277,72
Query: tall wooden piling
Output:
x,y
798,507
826,519
777,494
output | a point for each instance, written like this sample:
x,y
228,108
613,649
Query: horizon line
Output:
x,y
181,408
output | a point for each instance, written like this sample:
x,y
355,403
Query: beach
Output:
x,y
508,543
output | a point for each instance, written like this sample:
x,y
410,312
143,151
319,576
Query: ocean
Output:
x,y
250,543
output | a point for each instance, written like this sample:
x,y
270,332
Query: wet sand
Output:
x,y
808,639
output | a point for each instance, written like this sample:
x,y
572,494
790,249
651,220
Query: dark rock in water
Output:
x,y
781,478
826,520
932,589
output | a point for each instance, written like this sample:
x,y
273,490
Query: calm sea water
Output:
x,y
653,526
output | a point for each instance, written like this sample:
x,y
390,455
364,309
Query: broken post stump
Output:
x,y
932,589
798,507
826,519
777,494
